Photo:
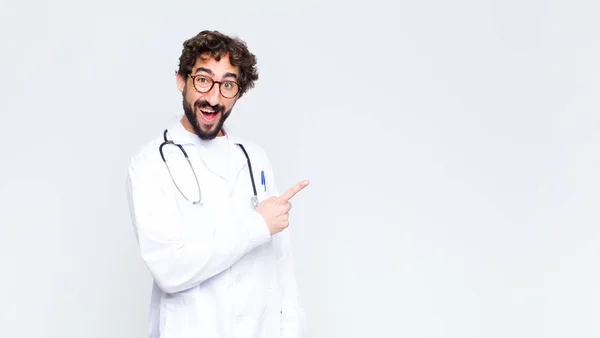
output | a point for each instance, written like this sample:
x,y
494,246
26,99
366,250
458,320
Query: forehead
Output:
x,y
218,68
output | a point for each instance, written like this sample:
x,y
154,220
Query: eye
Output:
x,y
203,79
228,85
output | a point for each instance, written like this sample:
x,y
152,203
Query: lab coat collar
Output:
x,y
180,135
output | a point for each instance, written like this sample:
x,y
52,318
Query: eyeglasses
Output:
x,y
203,84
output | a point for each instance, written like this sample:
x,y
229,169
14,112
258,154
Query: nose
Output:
x,y
213,95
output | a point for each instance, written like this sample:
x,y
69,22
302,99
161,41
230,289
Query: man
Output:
x,y
215,242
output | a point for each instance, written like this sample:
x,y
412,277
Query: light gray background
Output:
x,y
452,146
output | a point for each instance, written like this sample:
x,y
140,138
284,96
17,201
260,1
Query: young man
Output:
x,y
210,224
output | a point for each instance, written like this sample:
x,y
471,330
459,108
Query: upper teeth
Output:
x,y
207,111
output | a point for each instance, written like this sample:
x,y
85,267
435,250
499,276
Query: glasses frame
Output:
x,y
193,77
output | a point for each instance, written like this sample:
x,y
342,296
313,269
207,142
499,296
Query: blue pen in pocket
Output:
x,y
262,179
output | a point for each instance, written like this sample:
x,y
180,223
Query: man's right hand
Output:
x,y
275,210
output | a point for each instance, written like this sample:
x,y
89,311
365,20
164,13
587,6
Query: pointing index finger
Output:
x,y
293,191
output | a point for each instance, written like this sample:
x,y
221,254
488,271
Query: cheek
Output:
x,y
191,97
228,104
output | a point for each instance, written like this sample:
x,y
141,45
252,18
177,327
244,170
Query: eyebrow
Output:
x,y
233,75
207,70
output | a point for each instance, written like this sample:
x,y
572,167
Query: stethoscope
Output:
x,y
254,198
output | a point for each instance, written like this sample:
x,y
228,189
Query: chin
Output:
x,y
208,129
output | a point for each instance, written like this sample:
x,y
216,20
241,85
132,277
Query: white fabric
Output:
x,y
217,271
215,151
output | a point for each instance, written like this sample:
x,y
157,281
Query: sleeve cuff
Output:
x,y
257,230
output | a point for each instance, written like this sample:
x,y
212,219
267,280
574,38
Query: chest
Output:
x,y
211,180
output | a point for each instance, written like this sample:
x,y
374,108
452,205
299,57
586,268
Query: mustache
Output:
x,y
204,104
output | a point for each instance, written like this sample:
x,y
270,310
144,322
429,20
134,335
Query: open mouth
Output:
x,y
208,115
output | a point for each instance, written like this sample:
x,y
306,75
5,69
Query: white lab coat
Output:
x,y
217,271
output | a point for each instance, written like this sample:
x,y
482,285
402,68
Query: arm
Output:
x,y
181,250
293,322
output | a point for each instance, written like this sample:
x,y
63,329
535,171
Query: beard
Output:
x,y
192,117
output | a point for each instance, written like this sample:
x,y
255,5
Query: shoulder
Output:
x,y
255,150
146,158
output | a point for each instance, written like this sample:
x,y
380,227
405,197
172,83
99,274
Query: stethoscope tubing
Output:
x,y
166,141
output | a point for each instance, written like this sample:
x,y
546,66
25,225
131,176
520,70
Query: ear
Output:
x,y
180,79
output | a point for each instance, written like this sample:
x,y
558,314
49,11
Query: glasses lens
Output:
x,y
203,83
229,89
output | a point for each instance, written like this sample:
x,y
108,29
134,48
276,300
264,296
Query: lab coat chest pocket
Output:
x,y
244,189
262,192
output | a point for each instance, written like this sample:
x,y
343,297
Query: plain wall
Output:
x,y
452,148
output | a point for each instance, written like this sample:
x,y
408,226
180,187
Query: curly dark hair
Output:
x,y
216,45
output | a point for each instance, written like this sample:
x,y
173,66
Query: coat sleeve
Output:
x,y
293,320
179,253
